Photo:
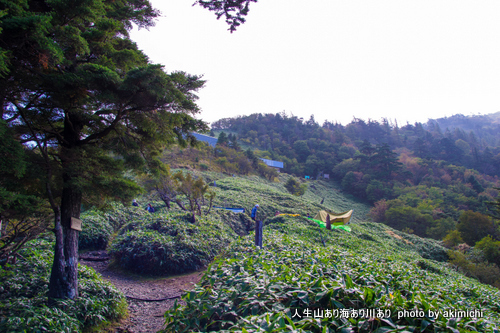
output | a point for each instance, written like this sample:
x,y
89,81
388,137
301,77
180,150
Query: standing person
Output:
x,y
150,208
253,215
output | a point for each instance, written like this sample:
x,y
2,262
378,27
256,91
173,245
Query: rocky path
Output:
x,y
145,316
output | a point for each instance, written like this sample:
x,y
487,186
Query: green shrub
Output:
x,y
452,239
169,244
293,186
240,223
473,264
474,226
119,215
95,233
98,226
23,296
490,248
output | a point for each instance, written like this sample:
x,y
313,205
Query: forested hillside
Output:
x,y
485,127
427,179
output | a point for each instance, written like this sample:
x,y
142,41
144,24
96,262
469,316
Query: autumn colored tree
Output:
x,y
163,183
196,191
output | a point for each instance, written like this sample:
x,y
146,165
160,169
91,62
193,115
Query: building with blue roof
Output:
x,y
274,164
205,138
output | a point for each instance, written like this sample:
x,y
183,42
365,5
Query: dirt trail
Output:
x,y
145,316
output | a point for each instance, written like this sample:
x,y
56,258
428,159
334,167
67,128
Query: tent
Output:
x,y
335,218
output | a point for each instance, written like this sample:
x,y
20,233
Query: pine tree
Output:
x,y
79,90
233,143
222,140
384,162
234,11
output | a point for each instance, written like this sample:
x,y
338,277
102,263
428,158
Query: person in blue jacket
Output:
x,y
253,215
150,208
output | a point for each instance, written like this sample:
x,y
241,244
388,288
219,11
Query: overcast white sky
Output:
x,y
337,59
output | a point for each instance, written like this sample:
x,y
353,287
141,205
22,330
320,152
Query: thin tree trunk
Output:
x,y
181,206
58,281
166,200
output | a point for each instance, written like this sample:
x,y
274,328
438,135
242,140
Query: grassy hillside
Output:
x,y
302,270
302,267
310,279
272,196
167,243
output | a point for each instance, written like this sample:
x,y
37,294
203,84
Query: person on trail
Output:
x,y
134,203
277,213
253,215
150,208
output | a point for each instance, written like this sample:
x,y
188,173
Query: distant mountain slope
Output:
x,y
485,127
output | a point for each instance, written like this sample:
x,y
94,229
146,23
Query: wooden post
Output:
x,y
328,222
258,234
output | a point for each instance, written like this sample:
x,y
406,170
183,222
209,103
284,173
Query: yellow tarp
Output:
x,y
340,218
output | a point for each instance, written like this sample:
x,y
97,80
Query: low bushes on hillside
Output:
x,y
95,233
310,279
425,247
472,263
169,244
98,226
23,296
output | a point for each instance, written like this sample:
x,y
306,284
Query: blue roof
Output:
x,y
271,163
205,138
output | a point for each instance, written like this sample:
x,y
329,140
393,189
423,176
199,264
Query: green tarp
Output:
x,y
338,225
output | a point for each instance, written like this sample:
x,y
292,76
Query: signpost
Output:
x,y
258,233
76,224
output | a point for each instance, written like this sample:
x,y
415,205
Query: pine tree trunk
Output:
x,y
57,283
64,275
